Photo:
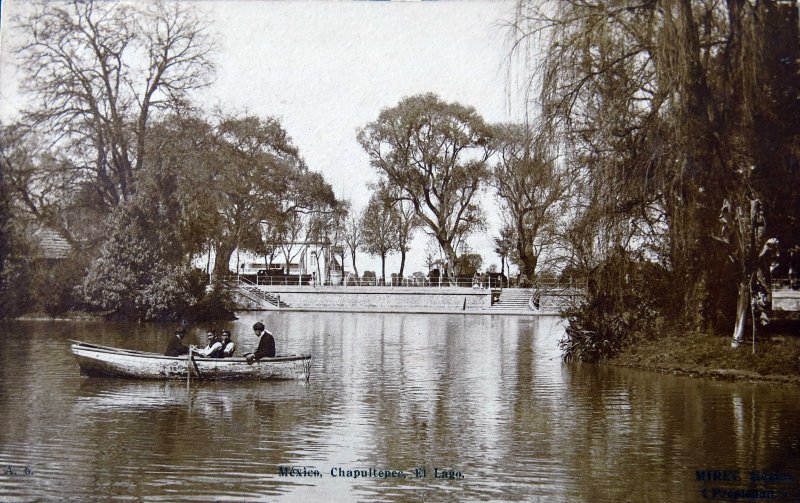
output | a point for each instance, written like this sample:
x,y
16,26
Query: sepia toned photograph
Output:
x,y
512,250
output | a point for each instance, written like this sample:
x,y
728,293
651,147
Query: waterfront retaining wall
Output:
x,y
382,299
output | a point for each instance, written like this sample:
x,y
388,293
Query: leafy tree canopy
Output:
x,y
435,154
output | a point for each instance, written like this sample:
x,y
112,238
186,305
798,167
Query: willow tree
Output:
x,y
659,104
532,188
436,155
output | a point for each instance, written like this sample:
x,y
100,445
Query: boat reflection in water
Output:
x,y
124,394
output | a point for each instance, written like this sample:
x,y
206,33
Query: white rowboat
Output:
x,y
96,360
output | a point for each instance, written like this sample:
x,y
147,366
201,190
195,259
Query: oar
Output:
x,y
196,368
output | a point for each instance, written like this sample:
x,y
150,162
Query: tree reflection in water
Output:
x,y
486,396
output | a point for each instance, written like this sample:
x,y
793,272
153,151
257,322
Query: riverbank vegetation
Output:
x,y
114,159
776,356
678,124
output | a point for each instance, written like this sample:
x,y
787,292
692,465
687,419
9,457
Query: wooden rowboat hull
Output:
x,y
106,361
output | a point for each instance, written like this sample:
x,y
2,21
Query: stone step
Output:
x,y
266,296
516,310
512,300
255,294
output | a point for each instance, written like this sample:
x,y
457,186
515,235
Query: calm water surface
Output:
x,y
484,396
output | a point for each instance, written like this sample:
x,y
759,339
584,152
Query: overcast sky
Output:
x,y
327,68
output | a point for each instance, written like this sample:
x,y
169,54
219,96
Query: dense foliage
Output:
x,y
625,301
130,278
671,112
112,156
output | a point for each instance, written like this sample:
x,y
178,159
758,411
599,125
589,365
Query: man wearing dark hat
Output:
x,y
175,346
266,344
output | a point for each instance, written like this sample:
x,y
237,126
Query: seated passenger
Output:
x,y
214,347
227,344
175,347
266,344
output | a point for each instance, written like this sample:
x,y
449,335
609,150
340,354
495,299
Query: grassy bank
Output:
x,y
777,357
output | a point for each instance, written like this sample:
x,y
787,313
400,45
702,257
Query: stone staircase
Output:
x,y
267,297
512,300
253,297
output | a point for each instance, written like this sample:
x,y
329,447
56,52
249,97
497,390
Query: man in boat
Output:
x,y
176,346
214,347
227,344
266,344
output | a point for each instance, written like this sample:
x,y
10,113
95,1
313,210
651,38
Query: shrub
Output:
x,y
56,288
130,279
625,299
214,304
15,269
15,292
197,281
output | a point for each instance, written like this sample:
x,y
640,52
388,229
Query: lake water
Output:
x,y
486,401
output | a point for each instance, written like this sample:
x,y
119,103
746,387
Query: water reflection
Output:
x,y
117,394
486,396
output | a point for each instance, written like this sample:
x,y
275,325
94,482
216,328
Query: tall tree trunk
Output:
x,y
353,257
223,259
402,263
286,260
383,268
208,264
450,253
742,305
527,258
706,169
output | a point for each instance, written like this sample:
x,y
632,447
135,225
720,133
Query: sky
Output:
x,y
327,68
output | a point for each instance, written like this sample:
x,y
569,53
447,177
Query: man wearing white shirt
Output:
x,y
214,347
